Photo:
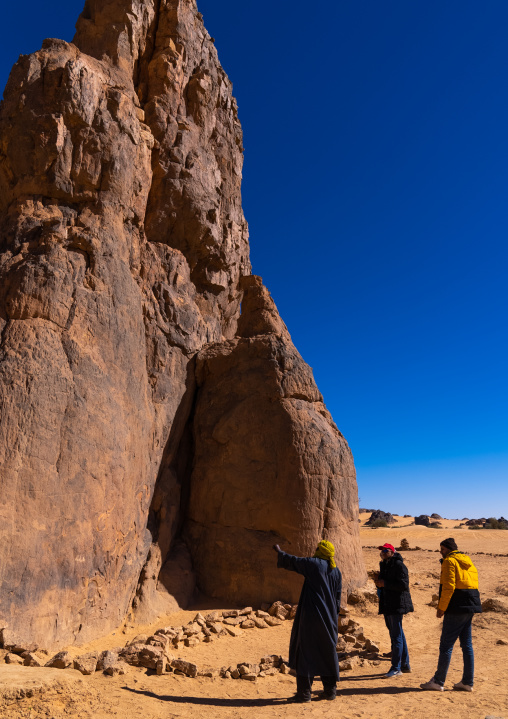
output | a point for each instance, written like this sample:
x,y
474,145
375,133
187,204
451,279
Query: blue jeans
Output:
x,y
400,655
456,626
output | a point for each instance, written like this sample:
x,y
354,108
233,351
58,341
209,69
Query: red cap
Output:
x,y
387,546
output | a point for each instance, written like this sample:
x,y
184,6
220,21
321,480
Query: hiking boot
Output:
x,y
406,670
461,687
393,673
299,698
329,695
432,686
387,654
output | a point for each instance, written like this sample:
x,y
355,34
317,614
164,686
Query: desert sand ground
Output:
x,y
363,692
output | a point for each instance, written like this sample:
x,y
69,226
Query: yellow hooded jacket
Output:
x,y
458,573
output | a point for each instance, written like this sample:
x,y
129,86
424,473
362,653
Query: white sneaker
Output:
x,y
432,686
460,687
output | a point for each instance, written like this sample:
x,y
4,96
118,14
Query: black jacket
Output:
x,y
394,597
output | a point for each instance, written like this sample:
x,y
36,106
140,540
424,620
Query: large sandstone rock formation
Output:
x,y
122,251
270,465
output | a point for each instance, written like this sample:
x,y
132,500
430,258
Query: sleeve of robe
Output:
x,y
305,567
301,565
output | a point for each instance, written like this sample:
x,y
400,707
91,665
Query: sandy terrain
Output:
x,y
363,692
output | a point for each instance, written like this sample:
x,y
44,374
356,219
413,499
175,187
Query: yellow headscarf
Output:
x,y
326,550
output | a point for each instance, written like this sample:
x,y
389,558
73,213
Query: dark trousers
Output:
x,y
304,685
456,626
400,655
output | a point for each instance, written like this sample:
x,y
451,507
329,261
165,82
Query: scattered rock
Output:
x,y
62,660
107,659
248,624
12,658
260,623
87,663
213,617
31,659
273,621
248,669
279,611
504,642
187,668
233,621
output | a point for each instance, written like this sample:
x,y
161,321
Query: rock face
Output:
x,y
270,465
122,249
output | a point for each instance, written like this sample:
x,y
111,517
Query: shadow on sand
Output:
x,y
279,701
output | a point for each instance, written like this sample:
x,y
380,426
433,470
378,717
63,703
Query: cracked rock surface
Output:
x,y
124,258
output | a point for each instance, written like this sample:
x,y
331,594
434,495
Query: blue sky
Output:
x,y
375,178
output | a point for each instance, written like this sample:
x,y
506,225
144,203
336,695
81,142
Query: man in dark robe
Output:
x,y
313,644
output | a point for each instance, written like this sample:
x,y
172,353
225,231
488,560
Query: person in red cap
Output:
x,y
394,601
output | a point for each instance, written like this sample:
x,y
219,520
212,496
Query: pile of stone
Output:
x,y
404,545
353,647
155,651
268,666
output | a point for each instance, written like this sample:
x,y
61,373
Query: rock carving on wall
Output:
x,y
135,400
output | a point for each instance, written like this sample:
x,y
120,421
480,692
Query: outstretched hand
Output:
x,y
277,548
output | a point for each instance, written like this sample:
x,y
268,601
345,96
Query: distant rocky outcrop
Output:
x,y
423,520
379,516
435,516
135,397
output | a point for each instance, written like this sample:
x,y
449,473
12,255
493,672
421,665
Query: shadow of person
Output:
x,y
210,701
371,691
362,677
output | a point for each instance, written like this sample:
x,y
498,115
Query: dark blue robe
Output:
x,y
313,644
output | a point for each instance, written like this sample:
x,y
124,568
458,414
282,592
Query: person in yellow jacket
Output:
x,y
459,600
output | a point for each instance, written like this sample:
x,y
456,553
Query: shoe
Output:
x,y
330,696
406,670
299,699
393,673
432,686
461,687
386,654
